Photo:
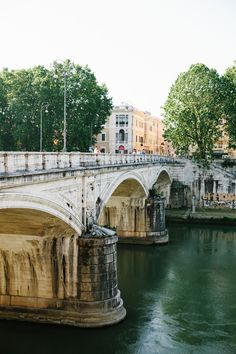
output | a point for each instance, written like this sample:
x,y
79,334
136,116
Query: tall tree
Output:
x,y
34,102
88,104
6,124
22,100
193,112
230,76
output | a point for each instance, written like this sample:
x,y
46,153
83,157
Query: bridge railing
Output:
x,y
13,162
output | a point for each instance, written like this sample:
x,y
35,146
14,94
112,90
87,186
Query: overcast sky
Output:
x,y
136,47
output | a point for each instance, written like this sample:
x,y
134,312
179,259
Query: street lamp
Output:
x,y
193,195
43,105
91,138
64,135
65,93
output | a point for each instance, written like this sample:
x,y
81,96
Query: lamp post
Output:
x,y
193,195
64,104
43,105
91,138
64,121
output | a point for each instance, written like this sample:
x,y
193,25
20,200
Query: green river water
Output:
x,y
180,298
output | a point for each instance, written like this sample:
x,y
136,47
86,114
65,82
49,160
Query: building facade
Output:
x,y
129,130
221,148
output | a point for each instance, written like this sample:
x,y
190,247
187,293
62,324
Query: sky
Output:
x,y
136,47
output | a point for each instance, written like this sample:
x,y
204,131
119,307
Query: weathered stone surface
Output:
x,y
42,267
59,272
78,318
143,221
97,277
93,268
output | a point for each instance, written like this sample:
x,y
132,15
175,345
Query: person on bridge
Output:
x,y
96,150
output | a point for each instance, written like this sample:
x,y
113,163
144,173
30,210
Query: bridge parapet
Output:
x,y
13,162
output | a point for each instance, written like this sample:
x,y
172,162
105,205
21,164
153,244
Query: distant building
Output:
x,y
129,130
221,148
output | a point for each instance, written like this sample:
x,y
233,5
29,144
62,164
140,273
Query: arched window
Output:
x,y
121,135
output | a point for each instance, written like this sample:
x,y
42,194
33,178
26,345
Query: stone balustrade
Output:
x,y
14,162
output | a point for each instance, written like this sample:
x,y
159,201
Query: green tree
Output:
x,y
24,95
230,76
22,102
6,123
25,90
193,112
88,104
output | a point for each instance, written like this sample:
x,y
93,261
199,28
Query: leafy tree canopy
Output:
x,y
28,95
196,103
230,76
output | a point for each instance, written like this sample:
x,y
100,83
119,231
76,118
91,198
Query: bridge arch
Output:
x,y
131,183
124,203
38,247
38,206
162,184
124,198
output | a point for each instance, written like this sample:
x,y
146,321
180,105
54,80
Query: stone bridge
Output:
x,y
51,269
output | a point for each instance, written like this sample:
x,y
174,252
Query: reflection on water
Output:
x,y
180,298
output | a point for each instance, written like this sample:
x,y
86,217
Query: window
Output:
x,y
103,137
121,135
141,139
122,120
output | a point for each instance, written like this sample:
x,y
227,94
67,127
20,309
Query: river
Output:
x,y
180,298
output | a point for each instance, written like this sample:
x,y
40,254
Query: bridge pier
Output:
x,y
60,278
138,221
98,294
151,222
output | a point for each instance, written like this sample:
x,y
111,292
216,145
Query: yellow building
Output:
x,y
129,130
221,148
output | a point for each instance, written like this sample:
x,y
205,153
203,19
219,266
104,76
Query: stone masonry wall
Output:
x,y
97,268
